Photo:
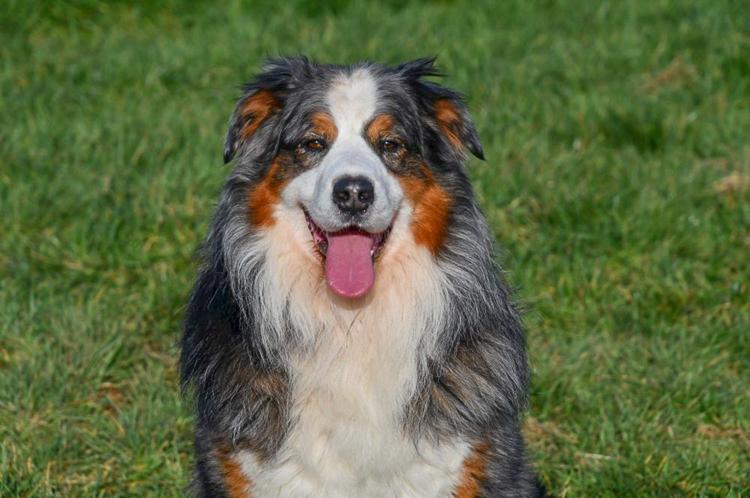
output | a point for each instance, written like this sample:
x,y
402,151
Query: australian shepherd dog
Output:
x,y
350,334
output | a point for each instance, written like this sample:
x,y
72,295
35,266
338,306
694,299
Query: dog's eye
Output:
x,y
315,144
389,145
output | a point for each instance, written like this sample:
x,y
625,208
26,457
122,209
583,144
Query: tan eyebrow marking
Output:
x,y
382,124
323,125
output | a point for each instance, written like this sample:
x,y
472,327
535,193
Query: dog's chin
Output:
x,y
348,257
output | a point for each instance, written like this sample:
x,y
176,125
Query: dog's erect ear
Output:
x,y
456,125
263,98
251,112
445,106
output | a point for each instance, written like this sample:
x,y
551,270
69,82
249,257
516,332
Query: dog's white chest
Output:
x,y
347,440
351,383
342,459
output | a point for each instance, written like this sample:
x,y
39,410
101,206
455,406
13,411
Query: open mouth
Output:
x,y
349,257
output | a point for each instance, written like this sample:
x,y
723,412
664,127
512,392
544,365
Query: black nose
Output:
x,y
353,194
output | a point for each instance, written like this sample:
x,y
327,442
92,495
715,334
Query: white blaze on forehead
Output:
x,y
352,100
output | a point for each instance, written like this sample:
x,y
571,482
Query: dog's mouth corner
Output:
x,y
349,256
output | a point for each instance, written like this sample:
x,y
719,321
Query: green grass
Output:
x,y
617,182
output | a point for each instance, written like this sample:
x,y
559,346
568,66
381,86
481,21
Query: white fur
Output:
x,y
353,378
352,101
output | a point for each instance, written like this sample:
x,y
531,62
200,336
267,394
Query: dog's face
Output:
x,y
356,158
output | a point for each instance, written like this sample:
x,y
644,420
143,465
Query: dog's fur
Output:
x,y
414,389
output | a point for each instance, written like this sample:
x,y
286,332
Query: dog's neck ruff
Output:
x,y
355,368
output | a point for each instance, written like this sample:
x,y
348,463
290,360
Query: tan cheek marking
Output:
x,y
474,472
255,110
323,125
382,124
265,195
448,118
431,205
236,483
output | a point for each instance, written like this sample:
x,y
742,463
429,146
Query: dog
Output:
x,y
349,333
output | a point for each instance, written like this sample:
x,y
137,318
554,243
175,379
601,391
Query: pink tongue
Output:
x,y
349,268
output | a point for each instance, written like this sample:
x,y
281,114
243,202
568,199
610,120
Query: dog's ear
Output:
x,y
263,99
454,122
445,107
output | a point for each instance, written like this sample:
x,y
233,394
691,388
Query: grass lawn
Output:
x,y
617,184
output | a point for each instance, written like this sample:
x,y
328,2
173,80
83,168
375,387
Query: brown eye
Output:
x,y
315,144
389,145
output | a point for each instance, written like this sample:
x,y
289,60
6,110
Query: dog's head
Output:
x,y
364,155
